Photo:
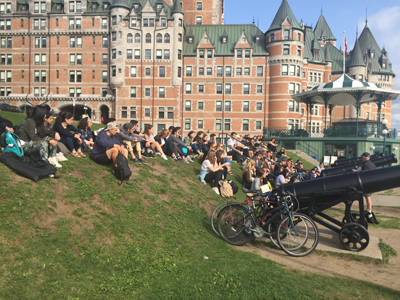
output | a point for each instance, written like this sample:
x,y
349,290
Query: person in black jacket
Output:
x,y
72,141
6,125
368,165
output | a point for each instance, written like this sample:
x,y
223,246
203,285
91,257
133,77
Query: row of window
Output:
x,y
41,42
161,71
159,37
315,77
286,36
228,88
226,124
163,113
228,71
292,70
218,105
5,59
5,8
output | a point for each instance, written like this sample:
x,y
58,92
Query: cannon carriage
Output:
x,y
315,196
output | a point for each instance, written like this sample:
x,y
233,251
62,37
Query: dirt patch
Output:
x,y
332,265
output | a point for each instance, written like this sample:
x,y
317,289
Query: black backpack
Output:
x,y
234,186
121,170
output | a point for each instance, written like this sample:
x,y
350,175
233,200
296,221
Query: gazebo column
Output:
x,y
310,107
331,106
307,109
358,97
326,99
378,116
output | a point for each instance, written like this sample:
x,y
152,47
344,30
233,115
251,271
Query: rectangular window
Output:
x,y
219,71
199,6
187,124
161,92
137,53
133,112
259,88
148,54
104,76
291,105
258,125
246,126
147,112
129,54
291,88
162,72
124,112
147,92
199,124
201,88
133,92
188,71
218,105
247,71
228,124
286,34
228,106
228,71
209,54
239,71
272,37
201,71
161,113
188,88
291,70
246,88
239,53
158,54
260,71
246,106
259,105
179,72
170,113
166,54
247,53
219,88
209,71
201,53
228,88
104,59
179,54
200,105
218,124
286,49
188,105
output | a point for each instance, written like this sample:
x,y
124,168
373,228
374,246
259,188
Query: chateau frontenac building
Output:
x,y
176,63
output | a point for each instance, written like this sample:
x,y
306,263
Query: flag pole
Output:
x,y
344,52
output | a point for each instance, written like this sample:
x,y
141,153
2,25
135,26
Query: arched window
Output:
x,y
159,38
166,38
148,38
137,38
130,38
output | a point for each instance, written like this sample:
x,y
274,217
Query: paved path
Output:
x,y
382,200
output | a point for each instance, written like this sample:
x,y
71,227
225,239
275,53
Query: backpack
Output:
x,y
121,170
234,186
12,143
225,189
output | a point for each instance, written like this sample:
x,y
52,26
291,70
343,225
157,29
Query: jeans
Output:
x,y
235,155
225,159
169,149
43,146
70,142
216,176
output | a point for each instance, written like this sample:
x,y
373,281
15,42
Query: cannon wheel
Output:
x,y
355,217
354,237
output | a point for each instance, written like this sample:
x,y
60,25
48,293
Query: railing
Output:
x,y
336,131
307,148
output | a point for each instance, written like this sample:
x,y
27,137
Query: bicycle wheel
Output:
x,y
215,213
272,229
235,224
297,235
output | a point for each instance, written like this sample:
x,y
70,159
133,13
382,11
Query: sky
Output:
x,y
383,21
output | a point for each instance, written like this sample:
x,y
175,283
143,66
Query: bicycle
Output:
x,y
296,234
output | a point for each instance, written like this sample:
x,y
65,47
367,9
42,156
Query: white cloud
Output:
x,y
385,26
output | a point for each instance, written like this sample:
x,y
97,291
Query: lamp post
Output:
x,y
384,132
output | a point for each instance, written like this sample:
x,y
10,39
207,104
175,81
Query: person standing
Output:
x,y
368,165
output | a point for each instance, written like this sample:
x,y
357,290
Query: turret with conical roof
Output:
x,y
356,59
323,32
284,12
177,7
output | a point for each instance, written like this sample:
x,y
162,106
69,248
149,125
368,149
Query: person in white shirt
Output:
x,y
231,147
213,170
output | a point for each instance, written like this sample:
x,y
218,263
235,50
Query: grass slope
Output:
x,y
83,236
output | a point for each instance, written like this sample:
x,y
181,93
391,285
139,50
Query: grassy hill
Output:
x,y
84,236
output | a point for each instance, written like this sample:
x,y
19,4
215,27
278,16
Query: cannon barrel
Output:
x,y
369,181
378,162
341,162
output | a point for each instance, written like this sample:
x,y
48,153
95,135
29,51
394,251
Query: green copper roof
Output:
x,y
283,12
327,54
336,56
323,30
233,32
368,44
177,7
121,3
356,57
310,44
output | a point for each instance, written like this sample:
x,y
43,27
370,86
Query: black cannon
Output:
x,y
378,162
319,194
341,162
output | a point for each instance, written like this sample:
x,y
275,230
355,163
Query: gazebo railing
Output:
x,y
334,132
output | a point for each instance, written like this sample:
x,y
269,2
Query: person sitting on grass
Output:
x,y
176,141
37,138
225,158
85,130
6,125
222,160
213,138
248,174
258,180
210,170
188,140
281,178
63,125
148,134
126,136
198,143
107,146
48,120
312,174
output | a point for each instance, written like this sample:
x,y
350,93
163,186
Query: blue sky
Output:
x,y
383,21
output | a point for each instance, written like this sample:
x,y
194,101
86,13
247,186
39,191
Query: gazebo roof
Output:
x,y
345,91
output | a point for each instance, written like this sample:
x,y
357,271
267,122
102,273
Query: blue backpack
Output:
x,y
12,143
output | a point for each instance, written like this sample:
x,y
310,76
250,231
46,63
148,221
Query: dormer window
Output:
x,y
136,7
316,54
163,22
190,40
159,7
372,54
257,39
383,65
324,40
224,40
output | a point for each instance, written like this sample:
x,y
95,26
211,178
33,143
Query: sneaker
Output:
x,y
370,216
150,155
194,156
179,158
60,157
175,158
158,153
145,154
189,159
54,162
135,160
164,156
185,160
142,161
215,189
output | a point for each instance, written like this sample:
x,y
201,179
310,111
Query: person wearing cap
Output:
x,y
127,136
107,146
368,165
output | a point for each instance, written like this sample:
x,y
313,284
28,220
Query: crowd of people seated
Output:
x,y
40,133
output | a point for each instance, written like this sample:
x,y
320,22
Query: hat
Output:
x,y
111,125
128,125
366,154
